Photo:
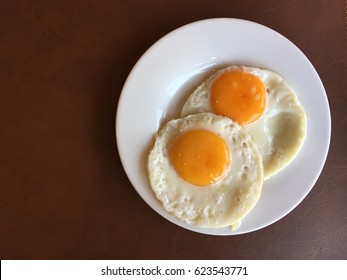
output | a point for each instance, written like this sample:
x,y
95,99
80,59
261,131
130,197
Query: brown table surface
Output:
x,y
64,193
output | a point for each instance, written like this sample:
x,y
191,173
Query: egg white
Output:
x,y
279,133
225,202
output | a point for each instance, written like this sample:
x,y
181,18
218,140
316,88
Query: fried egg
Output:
x,y
205,170
262,102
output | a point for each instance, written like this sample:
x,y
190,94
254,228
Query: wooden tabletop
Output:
x,y
64,192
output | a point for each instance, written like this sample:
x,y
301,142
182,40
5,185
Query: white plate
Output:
x,y
167,73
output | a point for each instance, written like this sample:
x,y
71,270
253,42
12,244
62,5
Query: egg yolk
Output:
x,y
239,95
200,157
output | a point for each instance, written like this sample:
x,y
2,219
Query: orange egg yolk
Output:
x,y
200,157
239,95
